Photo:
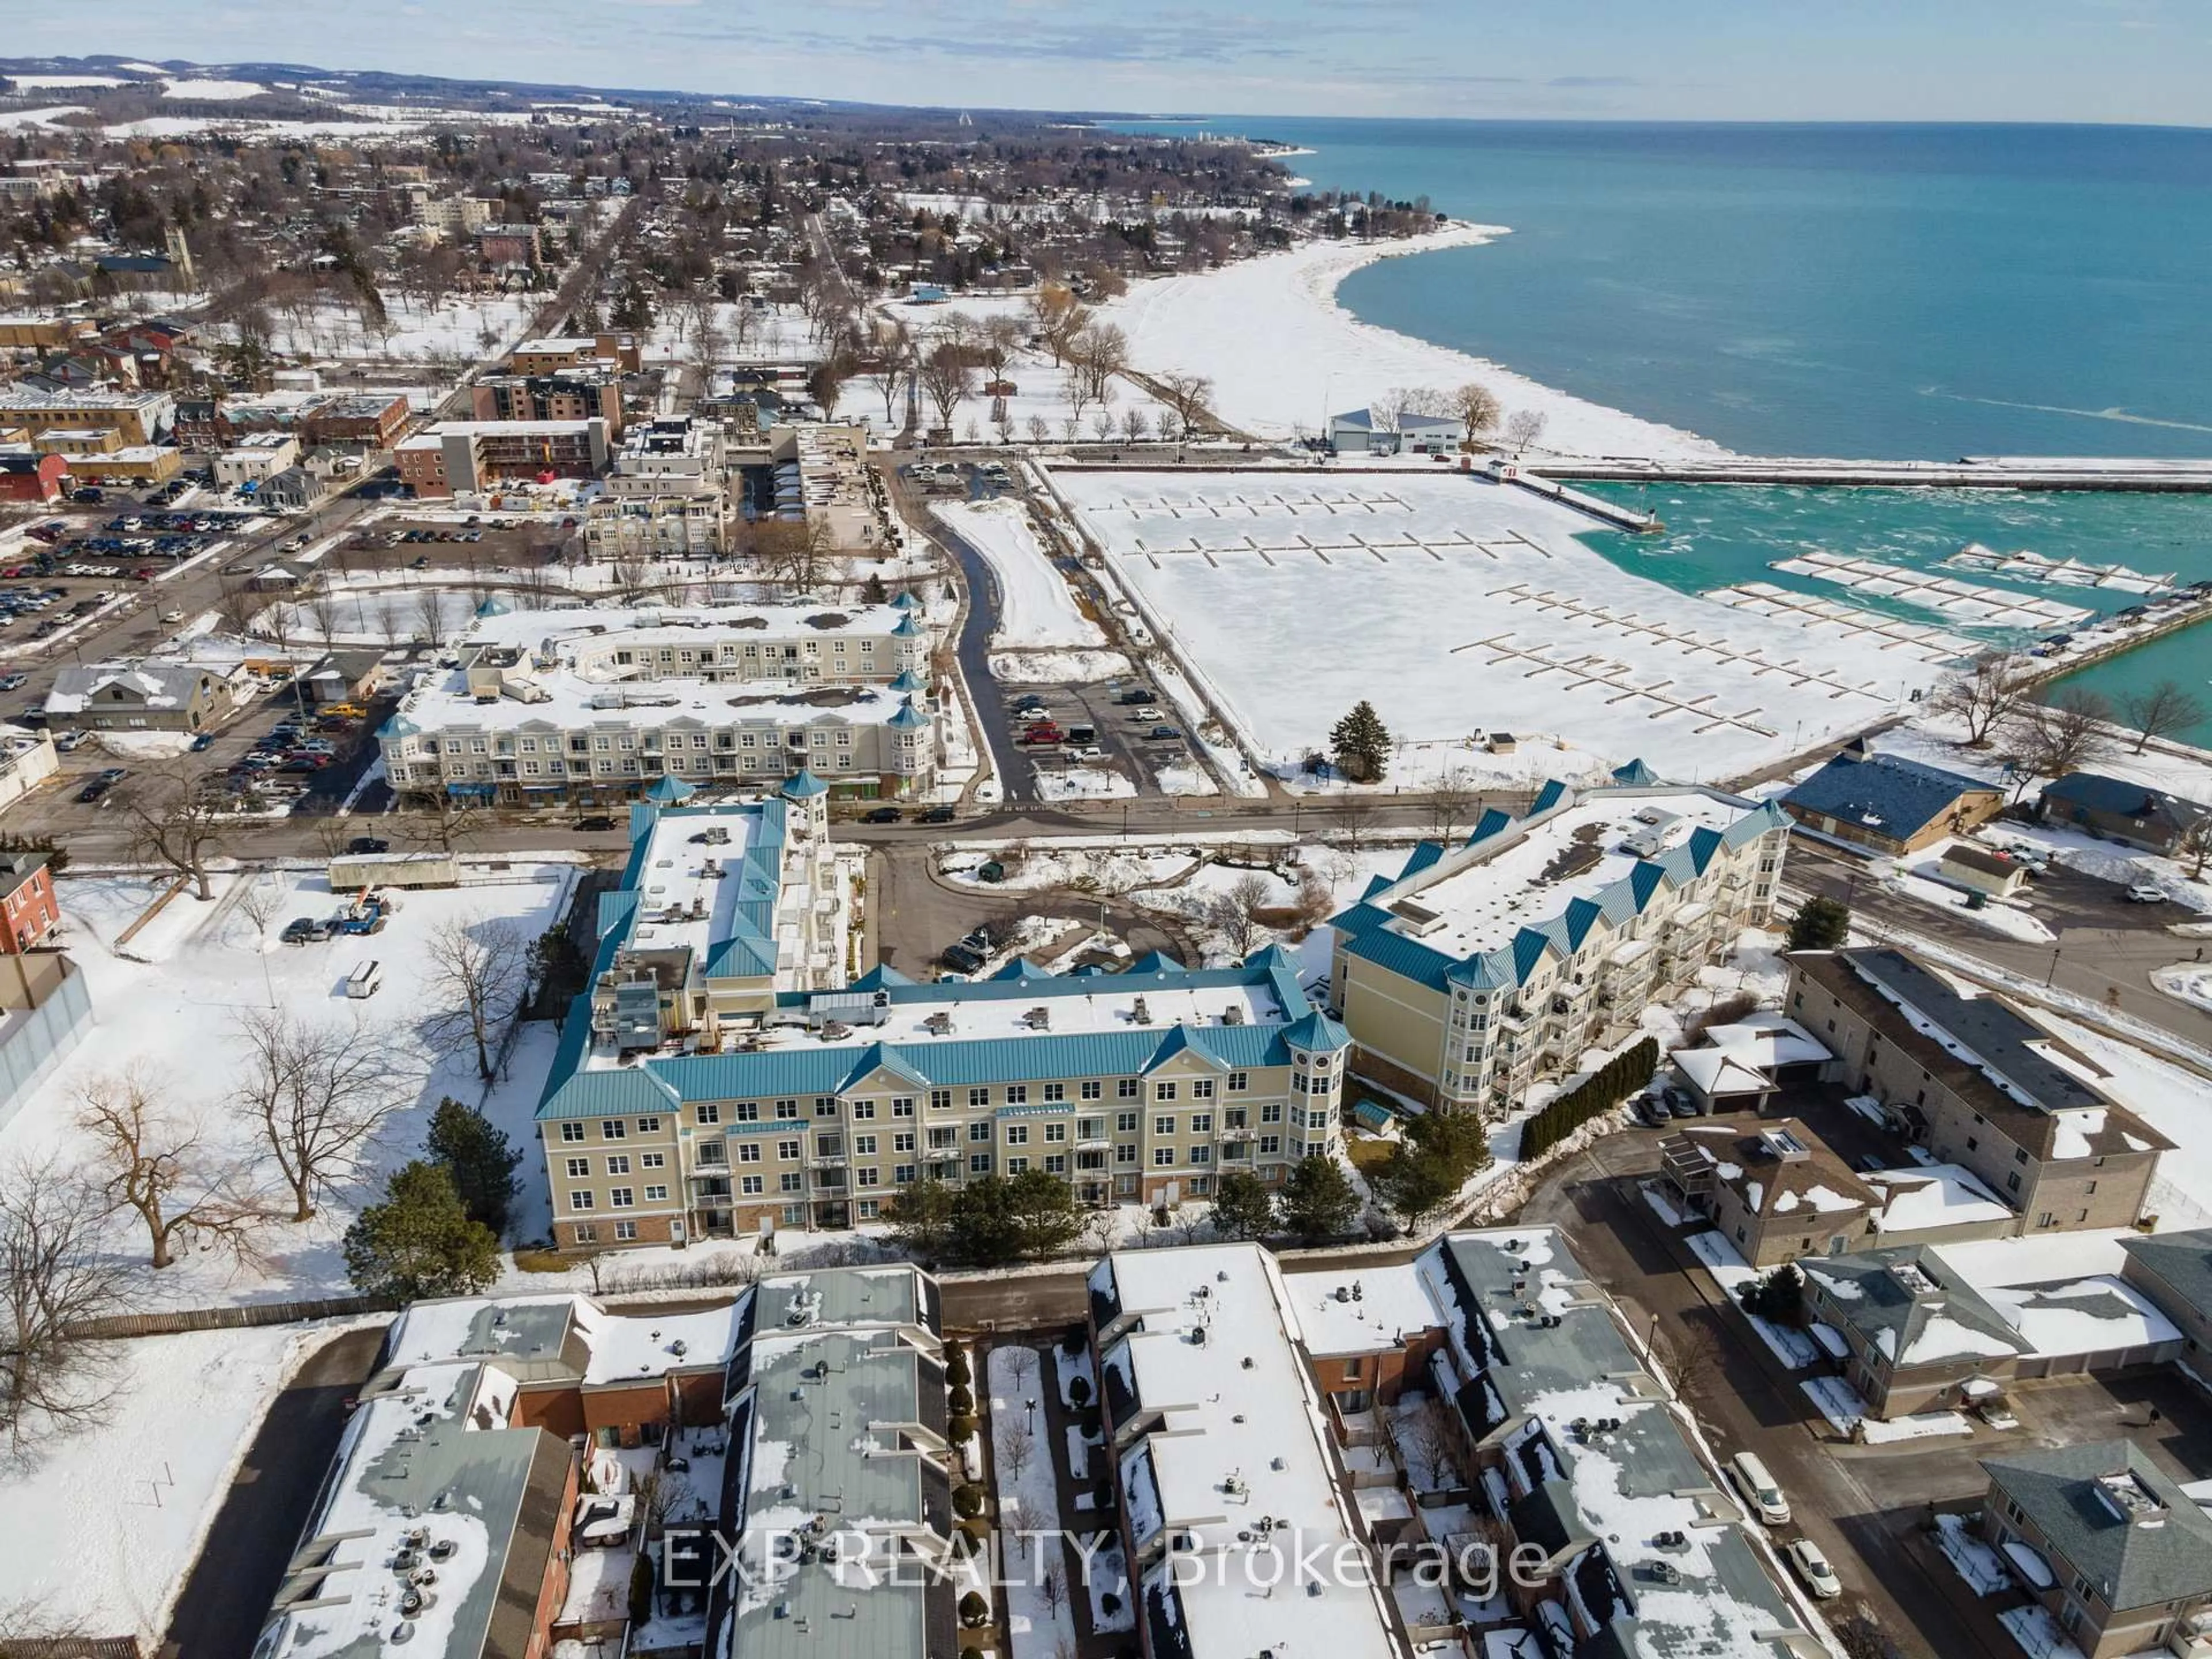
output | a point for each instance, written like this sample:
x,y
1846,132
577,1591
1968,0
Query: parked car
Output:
x,y
1996,1414
960,959
367,844
2146,892
936,814
1163,734
883,815
1759,1489
202,743
1813,1567
307,930
93,791
1138,698
596,823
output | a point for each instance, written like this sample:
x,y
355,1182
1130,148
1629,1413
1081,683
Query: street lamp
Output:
x,y
2053,974
1030,1406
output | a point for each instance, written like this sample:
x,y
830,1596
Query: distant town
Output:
x,y
780,875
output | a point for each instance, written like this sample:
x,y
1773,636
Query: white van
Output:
x,y
1759,1489
366,980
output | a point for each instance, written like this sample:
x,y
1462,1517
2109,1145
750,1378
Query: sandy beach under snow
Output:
x,y
1283,353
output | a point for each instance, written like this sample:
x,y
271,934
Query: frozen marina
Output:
x,y
1967,603
1462,609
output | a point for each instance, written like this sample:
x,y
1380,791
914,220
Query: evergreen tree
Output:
x,y
1317,1201
1360,744
872,591
420,1242
1243,1207
920,1217
1821,924
479,1158
1415,1185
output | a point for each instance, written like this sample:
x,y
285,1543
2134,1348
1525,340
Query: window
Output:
x,y
747,1111
1201,1154
572,1132
1239,1082
790,1182
979,1164
1163,1126
613,1128
786,1150
2012,1181
579,1200
795,1215
656,1195
940,1099
1201,1123
707,1111
786,1109
653,1160
1055,1164
1270,1145
620,1197
1018,1166
648,1125
1163,1092
1054,1093
1201,1088
979,1097
1125,1123
1163,1157
1125,1088
1055,1131
1017,1094
864,1145
867,1209
864,1108
1092,1089
751,1186
1017,1135
980,1130
618,1165
825,1106
749,1151
868,1177
903,1175
1125,1153
903,1141
903,1106
1272,1112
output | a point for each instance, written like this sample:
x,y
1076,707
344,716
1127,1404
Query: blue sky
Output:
x,y
2094,60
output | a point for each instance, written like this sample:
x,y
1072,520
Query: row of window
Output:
x,y
708,1113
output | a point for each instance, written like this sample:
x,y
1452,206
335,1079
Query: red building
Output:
x,y
28,912
28,478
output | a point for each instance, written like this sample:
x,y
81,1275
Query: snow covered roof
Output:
x,y
1237,1460
1925,1197
1889,795
152,684
560,1338
1345,1313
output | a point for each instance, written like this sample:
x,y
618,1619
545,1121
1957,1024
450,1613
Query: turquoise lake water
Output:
x,y
1867,291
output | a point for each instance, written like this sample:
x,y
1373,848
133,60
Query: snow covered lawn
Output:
x,y
1083,783
1036,608
166,1004
1282,591
2038,1632
1731,1272
1028,1503
1974,1560
2176,1103
100,1529
1838,1402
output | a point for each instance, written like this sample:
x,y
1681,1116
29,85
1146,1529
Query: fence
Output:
x,y
251,1315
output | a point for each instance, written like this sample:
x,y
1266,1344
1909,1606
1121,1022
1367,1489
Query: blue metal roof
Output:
x,y
1636,772
805,785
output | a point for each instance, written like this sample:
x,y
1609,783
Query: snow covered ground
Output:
x,y
1283,354
99,1529
165,1004
1972,1559
1794,1348
1036,607
462,325
2177,1103
1029,1503
1283,592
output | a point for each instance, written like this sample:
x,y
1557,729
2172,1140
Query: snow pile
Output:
x,y
1972,1559
1037,609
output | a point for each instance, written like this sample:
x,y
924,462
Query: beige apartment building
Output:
x,y
593,706
1485,966
714,1081
137,418
1980,1084
667,495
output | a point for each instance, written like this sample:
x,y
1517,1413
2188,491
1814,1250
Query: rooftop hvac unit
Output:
x,y
1233,1014
1038,1018
637,1015
1140,1013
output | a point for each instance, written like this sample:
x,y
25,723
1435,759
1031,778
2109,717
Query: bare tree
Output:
x,y
633,575
175,823
1986,694
1452,800
658,1494
431,613
318,1093
56,1272
1187,397
1051,1592
1477,406
1039,429
155,1165
323,606
2194,843
237,606
1016,1445
1100,353
796,553
945,379
893,367
479,971
2064,734
2159,712
1234,913
1354,816
1020,1364
1523,428
1428,1440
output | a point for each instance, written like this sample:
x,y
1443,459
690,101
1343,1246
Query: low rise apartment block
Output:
x,y
1980,1084
455,458
667,495
550,354
137,418
1484,967
721,1078
822,480
352,420
564,394
138,694
597,705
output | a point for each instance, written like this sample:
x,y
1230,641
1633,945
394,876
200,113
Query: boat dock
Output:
x,y
1625,517
1969,472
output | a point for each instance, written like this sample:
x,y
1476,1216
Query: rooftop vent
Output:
x,y
1141,1013
1418,918
938,1024
1038,1018
1233,1014
1781,1145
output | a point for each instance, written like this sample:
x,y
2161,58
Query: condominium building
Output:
x,y
548,353
1484,967
138,417
565,394
457,457
1981,1084
822,480
715,1081
596,705
667,495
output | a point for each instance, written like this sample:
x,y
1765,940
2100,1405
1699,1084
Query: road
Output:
x,y
2106,950
219,1610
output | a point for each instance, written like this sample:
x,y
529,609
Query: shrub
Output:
x,y
976,1532
973,1609
960,1430
968,1501
1075,1341
957,1373
1078,1390
959,1402
1600,1091
640,1590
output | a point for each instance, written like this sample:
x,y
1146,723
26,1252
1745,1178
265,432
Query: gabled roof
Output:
x,y
2100,793
2181,1261
1885,793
